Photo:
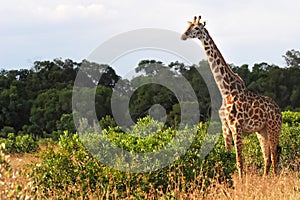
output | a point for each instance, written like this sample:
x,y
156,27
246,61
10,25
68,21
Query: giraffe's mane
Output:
x,y
223,60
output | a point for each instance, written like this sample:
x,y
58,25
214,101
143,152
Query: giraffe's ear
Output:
x,y
204,23
190,23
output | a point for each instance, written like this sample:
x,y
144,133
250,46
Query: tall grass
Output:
x,y
253,186
16,185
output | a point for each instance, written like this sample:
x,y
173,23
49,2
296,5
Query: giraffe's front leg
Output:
x,y
227,135
237,136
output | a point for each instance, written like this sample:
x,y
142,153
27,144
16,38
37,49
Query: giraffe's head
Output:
x,y
195,29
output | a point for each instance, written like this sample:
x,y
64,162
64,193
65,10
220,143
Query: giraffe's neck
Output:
x,y
228,82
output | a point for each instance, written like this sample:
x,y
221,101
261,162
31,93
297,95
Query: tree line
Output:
x,y
38,101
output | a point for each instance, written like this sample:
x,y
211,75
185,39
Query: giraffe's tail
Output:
x,y
279,150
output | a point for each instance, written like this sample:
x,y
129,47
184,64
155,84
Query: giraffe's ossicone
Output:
x,y
242,111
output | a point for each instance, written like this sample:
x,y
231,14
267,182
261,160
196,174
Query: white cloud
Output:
x,y
68,12
238,27
31,11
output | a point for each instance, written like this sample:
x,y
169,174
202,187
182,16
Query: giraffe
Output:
x,y
242,111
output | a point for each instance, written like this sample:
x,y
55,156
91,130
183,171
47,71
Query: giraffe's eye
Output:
x,y
197,28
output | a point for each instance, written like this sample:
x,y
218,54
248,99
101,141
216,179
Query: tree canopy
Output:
x,y
39,100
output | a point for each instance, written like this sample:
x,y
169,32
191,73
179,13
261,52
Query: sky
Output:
x,y
246,32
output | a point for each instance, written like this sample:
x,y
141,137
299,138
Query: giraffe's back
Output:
x,y
257,112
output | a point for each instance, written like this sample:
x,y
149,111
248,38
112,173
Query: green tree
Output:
x,y
15,107
46,111
6,130
292,58
244,72
97,74
149,67
66,123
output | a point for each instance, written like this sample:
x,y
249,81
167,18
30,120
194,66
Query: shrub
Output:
x,y
289,141
290,145
72,164
291,118
72,171
252,151
66,172
19,144
107,122
46,142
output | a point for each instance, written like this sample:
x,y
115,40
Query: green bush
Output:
x,y
46,142
19,144
73,169
252,151
72,165
291,118
289,141
107,122
290,147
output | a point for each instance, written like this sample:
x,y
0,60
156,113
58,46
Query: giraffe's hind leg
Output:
x,y
265,147
275,150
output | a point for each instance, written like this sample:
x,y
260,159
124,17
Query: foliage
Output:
x,y
19,144
43,94
252,152
6,130
46,108
289,142
45,142
107,122
75,162
291,118
66,122
72,164
292,58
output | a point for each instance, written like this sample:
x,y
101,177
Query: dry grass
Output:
x,y
286,185
253,186
19,161
14,183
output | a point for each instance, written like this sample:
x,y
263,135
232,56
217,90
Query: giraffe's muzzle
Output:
x,y
183,37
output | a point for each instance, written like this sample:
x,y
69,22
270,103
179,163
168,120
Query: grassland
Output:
x,y
286,185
